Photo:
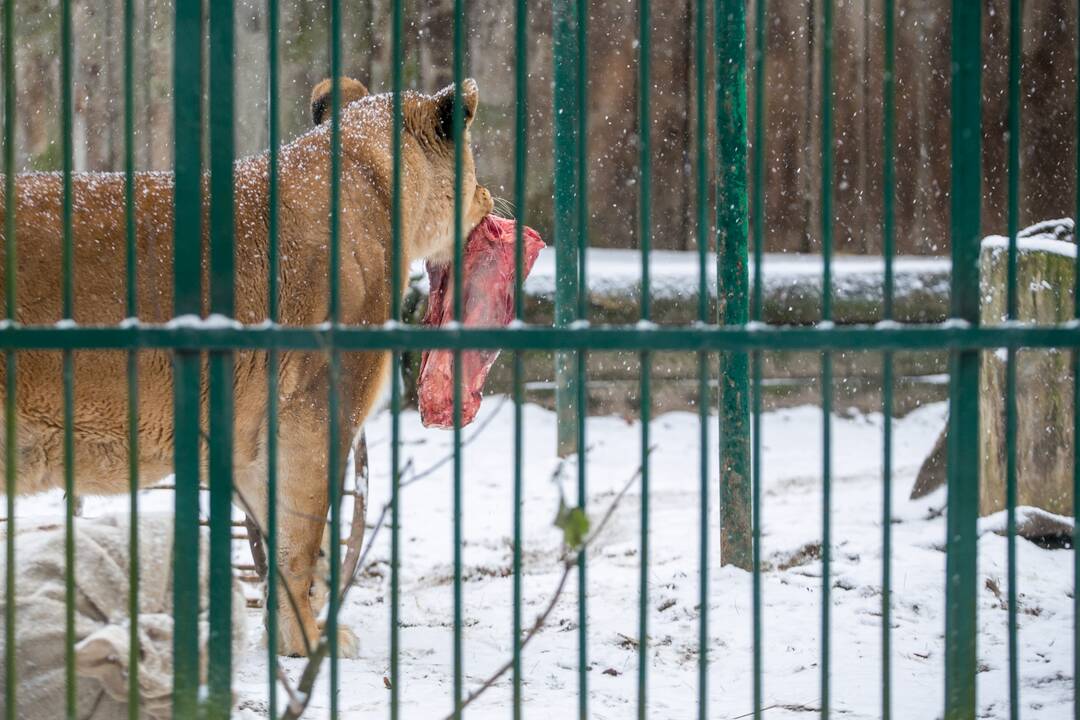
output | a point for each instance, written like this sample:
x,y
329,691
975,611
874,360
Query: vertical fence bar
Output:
x,y
826,357
701,56
334,464
68,313
963,450
396,32
888,192
1013,213
565,51
459,154
222,270
582,314
272,359
581,225
521,127
131,310
645,241
10,369
733,280
1076,400
760,56
567,189
187,113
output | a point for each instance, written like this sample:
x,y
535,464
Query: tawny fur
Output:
x,y
101,428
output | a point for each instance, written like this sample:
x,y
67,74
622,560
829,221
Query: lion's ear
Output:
x,y
320,96
443,110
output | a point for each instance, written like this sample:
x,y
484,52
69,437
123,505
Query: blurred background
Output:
x,y
793,183
794,44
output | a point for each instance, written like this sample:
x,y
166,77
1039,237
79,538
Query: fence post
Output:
x,y
187,244
221,364
732,281
963,461
565,51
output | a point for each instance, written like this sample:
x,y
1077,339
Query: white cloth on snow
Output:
x,y
101,618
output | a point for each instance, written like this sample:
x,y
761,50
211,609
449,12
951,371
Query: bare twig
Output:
x,y
300,697
257,546
356,532
767,707
568,563
447,458
315,659
294,699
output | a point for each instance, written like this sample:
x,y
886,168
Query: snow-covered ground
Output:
x,y
792,524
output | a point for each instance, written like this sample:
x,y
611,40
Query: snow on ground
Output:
x,y
792,523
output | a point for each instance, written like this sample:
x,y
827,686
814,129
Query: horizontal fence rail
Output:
x,y
203,342
947,336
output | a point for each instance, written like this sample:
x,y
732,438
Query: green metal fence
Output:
x,y
738,341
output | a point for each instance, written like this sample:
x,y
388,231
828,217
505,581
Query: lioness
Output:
x,y
101,427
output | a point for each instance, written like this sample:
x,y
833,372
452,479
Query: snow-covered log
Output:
x,y
1046,273
1046,270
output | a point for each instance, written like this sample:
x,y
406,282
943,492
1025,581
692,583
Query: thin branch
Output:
x,y
481,426
767,707
541,620
315,659
294,698
569,563
301,696
356,532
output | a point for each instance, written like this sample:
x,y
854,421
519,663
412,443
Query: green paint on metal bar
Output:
x,y
701,129
69,532
887,382
187,243
334,465
459,241
565,52
910,337
396,42
10,469
758,172
826,359
758,191
10,364
582,222
272,360
963,462
1076,412
645,242
755,484
68,312
131,307
733,280
579,385
1013,217
888,190
186,556
521,124
222,301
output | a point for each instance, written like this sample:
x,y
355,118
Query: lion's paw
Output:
x,y
347,642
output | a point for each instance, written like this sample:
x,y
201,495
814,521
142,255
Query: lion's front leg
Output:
x,y
303,501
